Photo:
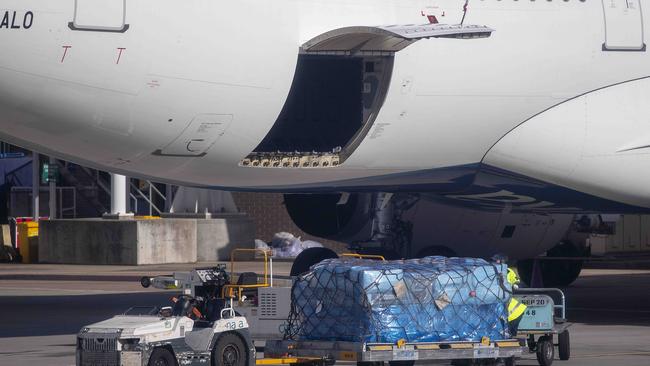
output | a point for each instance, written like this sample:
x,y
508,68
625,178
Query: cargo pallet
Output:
x,y
400,353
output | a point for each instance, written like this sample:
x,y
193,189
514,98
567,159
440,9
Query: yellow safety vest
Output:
x,y
512,277
515,309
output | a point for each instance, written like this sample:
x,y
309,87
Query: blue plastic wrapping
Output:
x,y
434,299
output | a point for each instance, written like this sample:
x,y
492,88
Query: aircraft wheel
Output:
x,y
555,273
161,357
308,258
436,250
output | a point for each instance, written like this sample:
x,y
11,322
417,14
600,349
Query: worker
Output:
x,y
516,309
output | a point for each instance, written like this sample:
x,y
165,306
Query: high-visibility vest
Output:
x,y
515,309
512,277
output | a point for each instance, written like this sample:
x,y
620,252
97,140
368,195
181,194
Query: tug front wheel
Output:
x,y
161,357
229,351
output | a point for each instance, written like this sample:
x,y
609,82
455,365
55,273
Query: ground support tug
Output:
x,y
200,328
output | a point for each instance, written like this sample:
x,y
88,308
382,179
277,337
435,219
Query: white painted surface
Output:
x,y
119,194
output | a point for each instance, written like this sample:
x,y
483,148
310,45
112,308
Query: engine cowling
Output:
x,y
331,215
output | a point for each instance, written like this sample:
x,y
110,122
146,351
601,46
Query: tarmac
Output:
x,y
43,306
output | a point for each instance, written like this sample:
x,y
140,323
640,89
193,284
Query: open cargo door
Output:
x,y
341,80
387,39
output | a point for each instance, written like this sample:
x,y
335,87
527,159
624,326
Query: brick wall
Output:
x,y
271,216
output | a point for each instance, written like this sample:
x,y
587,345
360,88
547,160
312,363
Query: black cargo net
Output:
x,y
434,299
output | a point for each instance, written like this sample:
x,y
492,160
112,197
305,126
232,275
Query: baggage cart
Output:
x,y
543,322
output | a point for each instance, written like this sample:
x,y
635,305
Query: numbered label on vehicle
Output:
x,y
531,312
231,324
535,301
235,325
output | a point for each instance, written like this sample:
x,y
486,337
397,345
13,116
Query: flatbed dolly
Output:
x,y
544,319
398,354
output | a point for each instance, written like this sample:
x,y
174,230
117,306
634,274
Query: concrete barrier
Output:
x,y
125,242
217,237
137,242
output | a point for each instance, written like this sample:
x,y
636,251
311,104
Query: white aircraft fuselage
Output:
x,y
186,92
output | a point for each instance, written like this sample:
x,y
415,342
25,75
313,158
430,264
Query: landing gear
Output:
x,y
388,254
391,235
555,273
308,258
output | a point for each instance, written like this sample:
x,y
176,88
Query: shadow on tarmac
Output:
x,y
608,299
26,316
612,299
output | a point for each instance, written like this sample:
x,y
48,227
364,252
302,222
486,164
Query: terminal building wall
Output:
x,y
270,215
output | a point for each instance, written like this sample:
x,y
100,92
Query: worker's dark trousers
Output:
x,y
513,326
